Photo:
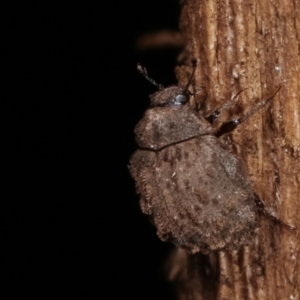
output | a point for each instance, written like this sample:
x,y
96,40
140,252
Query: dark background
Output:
x,y
73,227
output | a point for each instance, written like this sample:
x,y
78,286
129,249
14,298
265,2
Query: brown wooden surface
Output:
x,y
252,45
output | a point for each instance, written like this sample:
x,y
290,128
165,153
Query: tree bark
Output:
x,y
252,45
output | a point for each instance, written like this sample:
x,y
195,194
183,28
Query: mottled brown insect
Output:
x,y
196,192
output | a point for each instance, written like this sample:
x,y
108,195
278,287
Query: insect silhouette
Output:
x,y
196,192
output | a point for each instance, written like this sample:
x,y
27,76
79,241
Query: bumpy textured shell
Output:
x,y
162,126
195,191
197,195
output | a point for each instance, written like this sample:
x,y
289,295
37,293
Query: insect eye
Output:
x,y
180,99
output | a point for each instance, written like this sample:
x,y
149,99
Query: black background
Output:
x,y
73,227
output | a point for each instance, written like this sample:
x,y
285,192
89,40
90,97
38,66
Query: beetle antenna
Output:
x,y
143,71
194,65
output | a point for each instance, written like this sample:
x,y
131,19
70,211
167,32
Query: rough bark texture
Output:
x,y
253,45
